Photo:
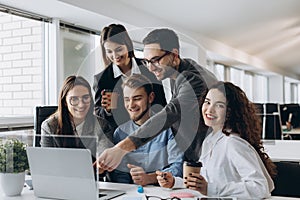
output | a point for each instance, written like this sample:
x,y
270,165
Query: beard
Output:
x,y
140,116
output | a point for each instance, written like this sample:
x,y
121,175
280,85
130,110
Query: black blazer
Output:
x,y
106,80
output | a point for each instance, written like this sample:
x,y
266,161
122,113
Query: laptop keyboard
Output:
x,y
102,195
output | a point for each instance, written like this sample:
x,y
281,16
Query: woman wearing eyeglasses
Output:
x,y
74,117
233,157
118,56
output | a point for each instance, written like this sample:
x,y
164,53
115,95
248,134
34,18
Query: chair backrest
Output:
x,y
41,113
287,180
259,107
260,112
273,127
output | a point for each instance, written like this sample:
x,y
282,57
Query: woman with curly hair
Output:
x,y
233,158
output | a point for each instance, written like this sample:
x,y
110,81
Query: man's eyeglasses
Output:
x,y
159,198
74,100
155,61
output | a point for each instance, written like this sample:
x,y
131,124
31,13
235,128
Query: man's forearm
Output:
x,y
126,145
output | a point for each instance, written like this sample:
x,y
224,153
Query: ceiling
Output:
x,y
257,35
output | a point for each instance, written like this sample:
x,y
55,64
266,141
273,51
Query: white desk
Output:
x,y
294,131
131,191
283,150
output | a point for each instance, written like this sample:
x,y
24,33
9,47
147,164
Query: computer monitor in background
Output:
x,y
290,109
273,129
260,112
270,120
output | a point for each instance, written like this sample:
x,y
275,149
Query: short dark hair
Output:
x,y
138,81
166,38
116,33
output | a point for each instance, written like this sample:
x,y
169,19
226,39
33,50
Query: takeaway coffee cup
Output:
x,y
191,167
111,97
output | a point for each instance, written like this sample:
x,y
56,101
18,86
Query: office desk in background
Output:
x,y
283,150
295,131
131,191
293,134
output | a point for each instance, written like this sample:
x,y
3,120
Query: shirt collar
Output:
x,y
212,138
134,69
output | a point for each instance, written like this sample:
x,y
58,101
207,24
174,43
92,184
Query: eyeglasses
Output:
x,y
159,198
155,61
74,100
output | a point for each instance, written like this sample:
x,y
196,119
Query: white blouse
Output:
x,y
232,167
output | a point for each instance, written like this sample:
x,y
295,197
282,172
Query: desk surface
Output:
x,y
294,131
283,150
131,191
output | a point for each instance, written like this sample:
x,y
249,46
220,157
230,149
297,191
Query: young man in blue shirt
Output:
x,y
161,153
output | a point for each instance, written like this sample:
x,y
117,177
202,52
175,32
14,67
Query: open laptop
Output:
x,y
65,173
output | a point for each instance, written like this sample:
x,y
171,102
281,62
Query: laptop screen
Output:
x,y
72,141
62,172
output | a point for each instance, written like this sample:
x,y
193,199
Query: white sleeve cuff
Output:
x,y
178,182
212,189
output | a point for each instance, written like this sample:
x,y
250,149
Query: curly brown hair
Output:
x,y
241,118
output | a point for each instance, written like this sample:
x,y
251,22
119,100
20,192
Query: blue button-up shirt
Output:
x,y
161,153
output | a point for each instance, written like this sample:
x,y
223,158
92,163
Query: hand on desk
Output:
x,y
165,179
140,177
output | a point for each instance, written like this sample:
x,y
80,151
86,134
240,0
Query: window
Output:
x,y
236,76
260,91
21,65
298,93
248,85
291,90
80,52
294,92
287,91
219,71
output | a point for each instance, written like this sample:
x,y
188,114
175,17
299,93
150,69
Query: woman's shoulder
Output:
x,y
105,73
51,120
235,142
50,123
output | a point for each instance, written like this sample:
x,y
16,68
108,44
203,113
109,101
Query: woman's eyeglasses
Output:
x,y
155,61
159,198
74,100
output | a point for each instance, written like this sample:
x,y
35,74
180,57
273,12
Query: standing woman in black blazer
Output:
x,y
120,61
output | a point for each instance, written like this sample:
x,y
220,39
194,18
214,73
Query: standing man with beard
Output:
x,y
182,113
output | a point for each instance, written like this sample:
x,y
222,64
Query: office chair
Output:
x,y
41,113
259,108
287,180
260,112
272,122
